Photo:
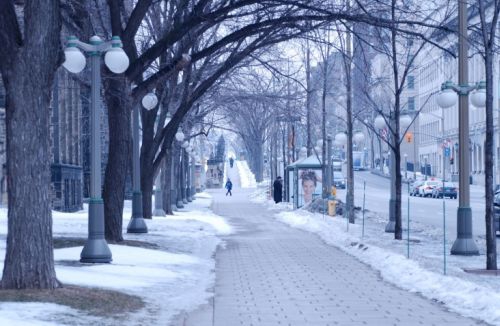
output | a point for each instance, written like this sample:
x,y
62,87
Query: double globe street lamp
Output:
x,y
96,249
447,98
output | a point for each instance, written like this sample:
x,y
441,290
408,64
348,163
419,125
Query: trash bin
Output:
x,y
331,207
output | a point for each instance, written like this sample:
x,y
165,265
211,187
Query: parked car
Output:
x,y
337,165
414,187
496,207
425,190
450,190
339,180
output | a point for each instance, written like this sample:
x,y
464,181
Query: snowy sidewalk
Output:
x,y
271,274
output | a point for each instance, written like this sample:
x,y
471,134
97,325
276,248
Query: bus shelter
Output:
x,y
303,180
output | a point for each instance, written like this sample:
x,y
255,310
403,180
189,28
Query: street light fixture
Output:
x,y
149,101
404,121
379,122
359,137
179,136
96,249
464,244
341,139
137,223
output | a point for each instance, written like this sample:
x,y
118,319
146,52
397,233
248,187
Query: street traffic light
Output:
x,y
409,137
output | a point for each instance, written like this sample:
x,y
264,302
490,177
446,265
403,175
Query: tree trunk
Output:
x,y
147,184
175,173
308,100
491,246
398,230
28,76
350,170
325,158
167,182
119,156
185,176
147,178
180,179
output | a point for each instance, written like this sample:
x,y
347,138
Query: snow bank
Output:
x,y
247,178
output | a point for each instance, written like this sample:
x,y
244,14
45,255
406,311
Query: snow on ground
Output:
x,y
175,278
470,295
246,176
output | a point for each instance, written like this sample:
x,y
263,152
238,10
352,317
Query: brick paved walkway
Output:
x,y
271,274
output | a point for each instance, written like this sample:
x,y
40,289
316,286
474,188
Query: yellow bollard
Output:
x,y
331,207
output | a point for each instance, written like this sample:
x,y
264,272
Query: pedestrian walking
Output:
x,y
231,162
278,190
229,186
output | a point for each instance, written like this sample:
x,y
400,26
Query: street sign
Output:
x,y
446,151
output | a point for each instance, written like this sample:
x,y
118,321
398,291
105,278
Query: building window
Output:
x,y
411,103
411,82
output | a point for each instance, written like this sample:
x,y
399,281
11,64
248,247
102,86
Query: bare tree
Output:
x,y
28,67
488,45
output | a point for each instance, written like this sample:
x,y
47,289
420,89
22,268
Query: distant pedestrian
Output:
x,y
278,190
231,162
229,186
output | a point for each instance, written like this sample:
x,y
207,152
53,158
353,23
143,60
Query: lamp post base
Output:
x,y
464,244
137,223
96,248
96,251
391,225
159,212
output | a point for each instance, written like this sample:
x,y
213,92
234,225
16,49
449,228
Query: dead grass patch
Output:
x,y
94,301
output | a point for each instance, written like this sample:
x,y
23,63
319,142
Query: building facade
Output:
x,y
438,128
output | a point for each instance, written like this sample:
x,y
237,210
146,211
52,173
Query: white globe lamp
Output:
x,y
446,98
149,101
179,136
404,121
379,122
341,138
75,60
116,59
478,97
358,137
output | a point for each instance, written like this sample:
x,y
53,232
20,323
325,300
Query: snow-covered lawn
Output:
x,y
472,295
176,277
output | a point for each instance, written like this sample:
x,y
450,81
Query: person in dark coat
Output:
x,y
278,190
229,186
231,162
